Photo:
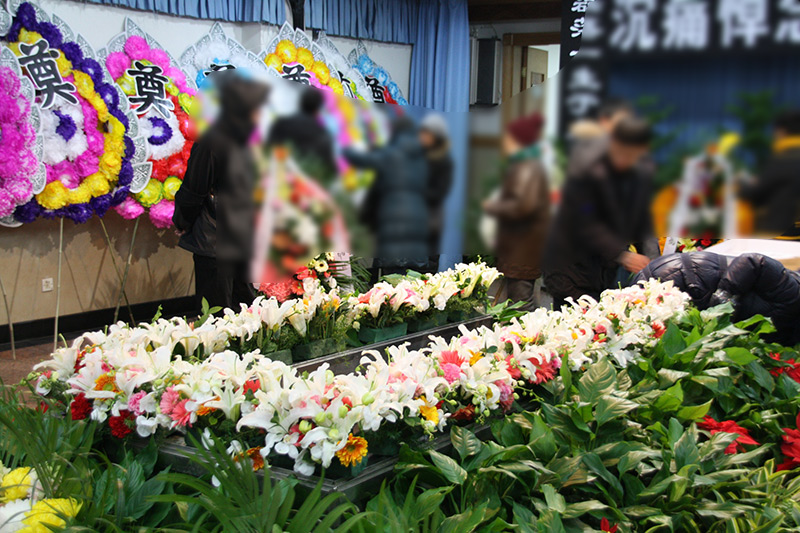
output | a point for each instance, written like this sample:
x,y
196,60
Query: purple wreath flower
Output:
x,y
108,93
130,148
78,213
125,173
72,51
66,125
93,69
51,34
119,115
119,195
101,204
27,212
164,136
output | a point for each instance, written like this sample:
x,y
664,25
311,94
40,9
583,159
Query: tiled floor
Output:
x,y
31,353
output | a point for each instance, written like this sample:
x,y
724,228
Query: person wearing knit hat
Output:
x,y
435,139
522,211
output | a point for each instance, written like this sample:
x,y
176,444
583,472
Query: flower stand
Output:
x,y
373,335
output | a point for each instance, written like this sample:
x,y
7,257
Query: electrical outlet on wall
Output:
x,y
47,284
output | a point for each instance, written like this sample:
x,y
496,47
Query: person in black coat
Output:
x,y
214,208
396,205
605,209
755,283
776,194
308,140
435,141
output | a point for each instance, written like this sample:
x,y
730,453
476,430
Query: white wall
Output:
x,y
98,24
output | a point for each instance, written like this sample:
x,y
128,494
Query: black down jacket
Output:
x,y
756,284
697,274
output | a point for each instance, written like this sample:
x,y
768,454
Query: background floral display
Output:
x,y
380,83
353,82
88,141
167,115
22,172
294,57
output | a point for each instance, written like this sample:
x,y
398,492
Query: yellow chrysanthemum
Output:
x,y
97,184
322,71
64,65
336,85
305,58
79,195
286,51
476,356
29,37
127,84
49,515
353,452
54,195
16,485
727,143
273,62
171,186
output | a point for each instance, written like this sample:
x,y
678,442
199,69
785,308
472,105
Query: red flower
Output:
x,y
465,414
512,367
658,329
80,407
792,371
121,426
305,272
281,291
452,357
605,525
728,426
791,447
545,372
251,386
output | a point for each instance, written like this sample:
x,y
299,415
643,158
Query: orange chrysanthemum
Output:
x,y
205,410
106,382
353,452
255,455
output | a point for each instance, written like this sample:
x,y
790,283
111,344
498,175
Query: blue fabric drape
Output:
x,y
378,20
700,91
269,11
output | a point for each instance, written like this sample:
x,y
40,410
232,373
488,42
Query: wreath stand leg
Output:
x,y
10,322
116,269
127,268
58,280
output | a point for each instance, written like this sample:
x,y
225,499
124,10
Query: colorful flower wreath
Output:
x,y
17,158
286,56
87,150
390,89
169,139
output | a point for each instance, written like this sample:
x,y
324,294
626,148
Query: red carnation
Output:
x,y
121,426
512,367
658,329
728,426
80,407
606,526
545,372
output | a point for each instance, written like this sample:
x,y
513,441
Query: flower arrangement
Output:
x,y
353,82
384,90
18,160
169,136
131,380
293,56
23,507
87,150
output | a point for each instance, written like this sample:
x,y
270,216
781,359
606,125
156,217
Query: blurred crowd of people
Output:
x,y
599,236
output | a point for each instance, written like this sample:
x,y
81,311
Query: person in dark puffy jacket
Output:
x,y
396,205
754,283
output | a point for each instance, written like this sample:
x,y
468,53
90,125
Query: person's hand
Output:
x,y
633,262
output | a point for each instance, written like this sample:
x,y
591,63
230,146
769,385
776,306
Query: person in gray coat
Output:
x,y
396,205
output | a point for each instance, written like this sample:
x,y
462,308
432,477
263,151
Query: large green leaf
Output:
x,y
451,470
596,381
595,465
694,412
611,407
465,442
555,501
740,356
671,400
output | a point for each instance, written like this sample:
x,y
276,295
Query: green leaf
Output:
x,y
672,341
595,464
596,381
694,412
524,519
451,470
465,442
611,407
670,400
575,510
740,356
555,501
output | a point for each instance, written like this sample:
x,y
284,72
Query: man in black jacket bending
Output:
x,y
605,209
214,207
755,283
